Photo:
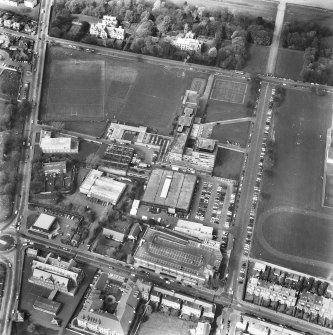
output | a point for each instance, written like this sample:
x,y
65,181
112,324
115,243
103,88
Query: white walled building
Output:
x,y
59,145
30,3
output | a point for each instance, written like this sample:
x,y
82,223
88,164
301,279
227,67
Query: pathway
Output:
x,y
274,49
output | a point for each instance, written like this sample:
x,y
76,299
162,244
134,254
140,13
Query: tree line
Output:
x,y
151,27
317,43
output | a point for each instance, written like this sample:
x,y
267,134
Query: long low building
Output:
x,y
171,190
102,188
175,255
194,229
55,145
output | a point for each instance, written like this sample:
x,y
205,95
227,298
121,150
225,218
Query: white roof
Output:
x,y
56,142
44,221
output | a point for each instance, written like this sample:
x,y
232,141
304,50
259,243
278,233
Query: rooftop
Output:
x,y
47,305
170,188
44,222
173,250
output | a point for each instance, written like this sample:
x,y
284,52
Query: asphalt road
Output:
x,y
245,200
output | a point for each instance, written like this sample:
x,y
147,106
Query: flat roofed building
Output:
x,y
116,235
182,257
190,308
54,167
47,306
30,3
50,144
170,189
102,188
118,131
44,222
194,229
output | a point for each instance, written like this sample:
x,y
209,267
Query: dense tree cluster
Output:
x,y
317,42
11,121
151,26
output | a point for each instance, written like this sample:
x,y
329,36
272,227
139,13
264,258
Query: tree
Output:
x,y
145,29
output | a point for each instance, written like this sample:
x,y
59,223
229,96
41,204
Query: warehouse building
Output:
x,y
183,258
171,190
102,188
45,226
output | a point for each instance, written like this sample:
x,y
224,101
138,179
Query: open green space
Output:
x,y
228,164
289,63
323,17
235,132
257,59
295,182
90,128
130,91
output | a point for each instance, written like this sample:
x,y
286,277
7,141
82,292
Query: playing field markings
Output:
x,y
229,91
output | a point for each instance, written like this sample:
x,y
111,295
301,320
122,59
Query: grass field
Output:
x,y
90,128
257,59
228,164
293,189
236,132
289,64
227,88
80,87
309,14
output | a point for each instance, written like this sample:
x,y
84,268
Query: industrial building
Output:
x,y
171,190
184,258
56,274
59,145
44,226
194,229
93,319
97,186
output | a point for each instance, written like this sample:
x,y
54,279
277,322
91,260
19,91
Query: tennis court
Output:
x,y
229,91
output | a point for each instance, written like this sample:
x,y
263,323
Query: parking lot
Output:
x,y
213,202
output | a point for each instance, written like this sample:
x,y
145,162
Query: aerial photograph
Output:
x,y
166,167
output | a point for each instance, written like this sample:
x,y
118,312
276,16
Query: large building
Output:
x,y
57,145
45,226
175,255
94,319
47,306
126,134
56,274
102,188
107,28
171,190
188,42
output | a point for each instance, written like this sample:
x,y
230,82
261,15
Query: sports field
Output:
x,y
229,91
292,229
84,87
228,99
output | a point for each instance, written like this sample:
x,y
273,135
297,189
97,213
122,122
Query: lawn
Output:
x,y
294,185
100,88
289,64
257,59
235,132
228,99
228,164
90,128
309,14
